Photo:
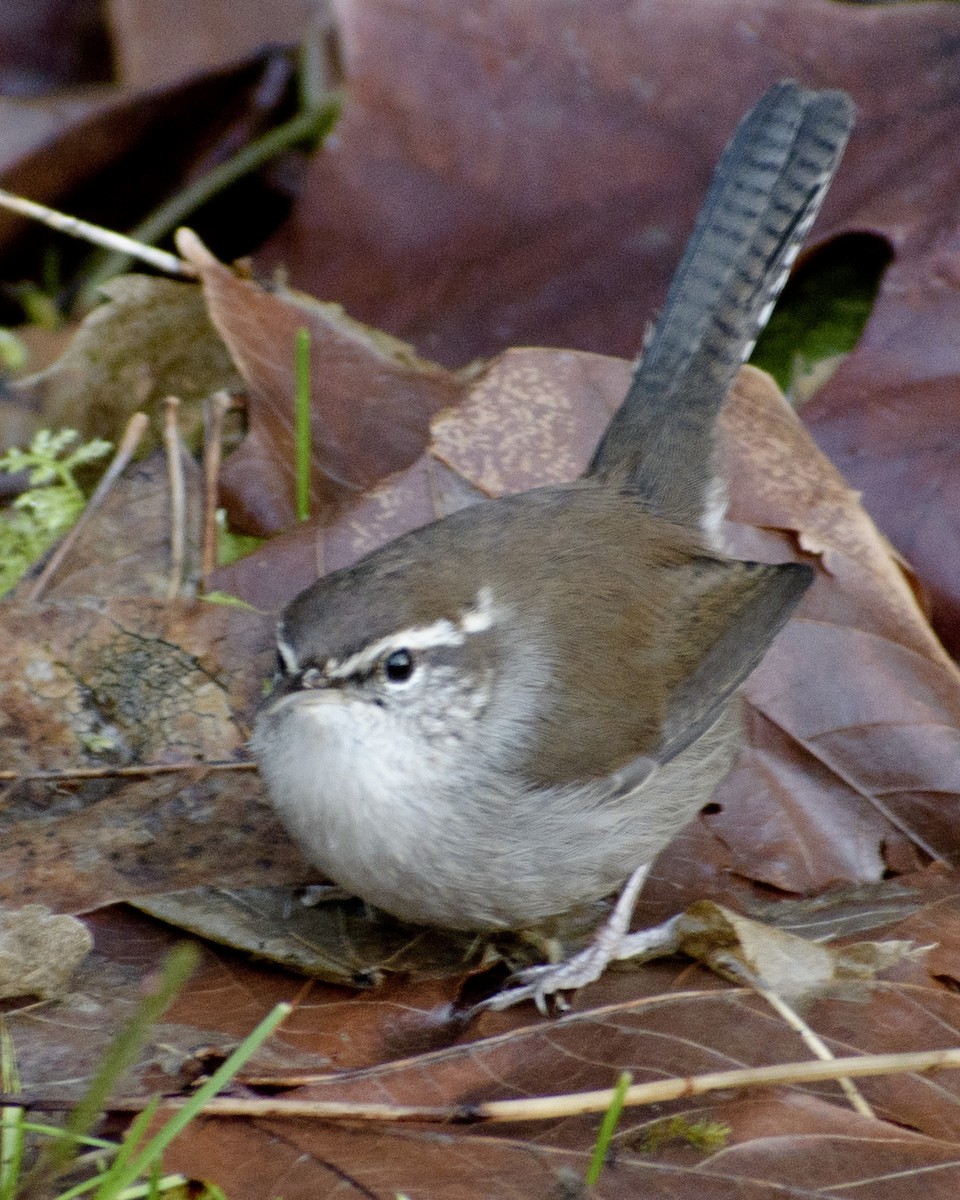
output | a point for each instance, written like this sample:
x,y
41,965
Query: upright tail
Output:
x,y
765,194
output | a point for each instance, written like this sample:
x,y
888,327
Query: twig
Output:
x,y
310,125
144,771
542,1108
733,968
318,114
117,242
817,1046
178,506
136,428
215,410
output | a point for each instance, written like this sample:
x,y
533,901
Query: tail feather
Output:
x,y
765,195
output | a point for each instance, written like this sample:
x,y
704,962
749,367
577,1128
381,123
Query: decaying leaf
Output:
x,y
795,968
108,685
39,952
347,944
151,339
372,397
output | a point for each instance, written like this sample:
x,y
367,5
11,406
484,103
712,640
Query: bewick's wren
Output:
x,y
501,715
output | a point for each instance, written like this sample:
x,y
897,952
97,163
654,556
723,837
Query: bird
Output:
x,y
507,713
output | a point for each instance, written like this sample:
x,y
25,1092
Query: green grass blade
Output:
x,y
150,1153
128,1146
607,1126
120,1056
301,424
44,1130
12,1133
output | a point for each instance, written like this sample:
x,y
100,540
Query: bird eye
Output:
x,y
398,666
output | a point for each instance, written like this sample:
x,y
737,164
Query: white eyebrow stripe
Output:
x,y
440,633
425,637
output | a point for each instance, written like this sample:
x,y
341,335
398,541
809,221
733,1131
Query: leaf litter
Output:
x,y
842,784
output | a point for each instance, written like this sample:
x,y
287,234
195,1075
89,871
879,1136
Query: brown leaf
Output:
x,y
39,952
518,179
196,37
152,339
133,681
793,967
372,397
533,418
655,1023
335,942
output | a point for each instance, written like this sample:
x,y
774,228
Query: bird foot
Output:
x,y
612,943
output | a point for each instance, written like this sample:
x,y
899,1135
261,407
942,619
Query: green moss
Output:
x,y
707,1136
51,504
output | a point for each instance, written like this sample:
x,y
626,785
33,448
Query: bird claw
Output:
x,y
549,981
612,942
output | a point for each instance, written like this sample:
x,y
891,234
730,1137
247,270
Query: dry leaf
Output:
x,y
371,397
338,943
795,968
39,952
99,686
152,339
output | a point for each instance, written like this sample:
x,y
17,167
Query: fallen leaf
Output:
x,y
102,686
196,38
793,967
371,397
342,943
152,339
39,952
